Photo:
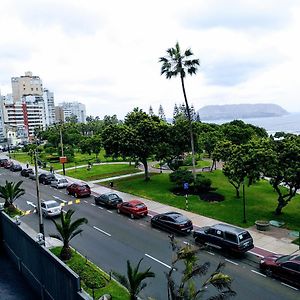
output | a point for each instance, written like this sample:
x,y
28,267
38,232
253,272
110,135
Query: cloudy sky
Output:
x,y
105,53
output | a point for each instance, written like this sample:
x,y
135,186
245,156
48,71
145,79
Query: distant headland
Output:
x,y
240,111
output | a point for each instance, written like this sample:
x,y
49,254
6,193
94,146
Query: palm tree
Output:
x,y
178,63
10,192
67,230
134,280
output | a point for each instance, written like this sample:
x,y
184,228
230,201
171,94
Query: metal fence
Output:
x,y
48,276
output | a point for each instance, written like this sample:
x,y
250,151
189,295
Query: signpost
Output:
x,y
63,160
186,187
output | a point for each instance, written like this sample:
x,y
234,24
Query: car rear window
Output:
x,y
140,205
63,180
179,218
244,236
112,197
52,204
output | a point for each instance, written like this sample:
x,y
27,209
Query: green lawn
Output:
x,y
101,171
261,200
90,273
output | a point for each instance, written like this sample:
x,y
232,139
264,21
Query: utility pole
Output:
x,y
41,225
244,203
62,150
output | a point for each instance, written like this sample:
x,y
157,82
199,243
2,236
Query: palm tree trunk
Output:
x,y
190,125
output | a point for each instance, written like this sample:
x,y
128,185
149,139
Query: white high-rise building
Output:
x,y
74,109
48,98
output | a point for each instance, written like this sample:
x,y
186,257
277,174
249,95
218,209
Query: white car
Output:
x,y
50,208
59,183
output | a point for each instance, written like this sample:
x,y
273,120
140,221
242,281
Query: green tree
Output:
x,y
161,113
134,281
67,230
179,63
280,161
186,288
10,192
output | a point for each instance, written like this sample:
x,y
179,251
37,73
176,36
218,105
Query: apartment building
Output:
x,y
74,109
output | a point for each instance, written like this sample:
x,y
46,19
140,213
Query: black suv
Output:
x,y
46,178
26,172
226,237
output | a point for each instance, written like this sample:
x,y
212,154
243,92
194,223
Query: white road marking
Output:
x,y
142,224
187,243
289,286
211,253
232,262
57,198
131,220
93,204
150,215
258,273
256,254
109,211
157,260
85,201
104,232
100,207
64,211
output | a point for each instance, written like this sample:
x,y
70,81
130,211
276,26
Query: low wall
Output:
x,y
48,276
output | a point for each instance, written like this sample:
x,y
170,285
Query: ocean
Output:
x,y
288,123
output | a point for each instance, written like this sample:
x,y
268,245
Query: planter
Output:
x,y
262,225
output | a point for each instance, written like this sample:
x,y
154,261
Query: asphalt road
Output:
x,y
110,239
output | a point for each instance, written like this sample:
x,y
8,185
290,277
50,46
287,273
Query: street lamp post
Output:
x,y
244,203
41,224
62,150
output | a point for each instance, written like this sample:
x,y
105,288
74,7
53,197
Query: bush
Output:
x,y
202,184
179,177
188,161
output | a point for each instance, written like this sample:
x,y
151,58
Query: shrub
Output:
x,y
202,184
179,177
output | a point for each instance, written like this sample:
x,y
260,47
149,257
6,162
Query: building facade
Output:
x,y
74,109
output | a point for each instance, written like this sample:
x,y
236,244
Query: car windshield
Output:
x,y
140,205
244,236
52,204
288,257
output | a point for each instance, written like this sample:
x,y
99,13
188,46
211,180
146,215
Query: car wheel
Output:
x,y
132,216
118,211
269,272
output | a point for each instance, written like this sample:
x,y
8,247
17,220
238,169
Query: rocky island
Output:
x,y
240,111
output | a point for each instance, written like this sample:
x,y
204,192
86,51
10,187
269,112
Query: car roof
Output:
x,y
135,202
231,228
171,214
51,201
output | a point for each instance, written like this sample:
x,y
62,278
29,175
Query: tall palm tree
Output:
x,y
179,63
10,192
134,280
66,231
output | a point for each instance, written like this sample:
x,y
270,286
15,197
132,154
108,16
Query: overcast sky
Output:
x,y
105,53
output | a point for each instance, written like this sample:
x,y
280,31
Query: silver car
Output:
x,y
59,183
50,208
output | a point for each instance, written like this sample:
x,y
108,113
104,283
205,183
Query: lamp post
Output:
x,y
62,150
244,203
41,224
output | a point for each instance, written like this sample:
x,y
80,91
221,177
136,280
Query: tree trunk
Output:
x,y
65,253
237,190
144,162
190,125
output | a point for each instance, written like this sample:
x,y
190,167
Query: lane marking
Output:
x,y
211,253
289,286
93,204
187,243
256,254
150,215
157,260
258,273
109,211
232,262
100,207
131,220
102,231
85,201
58,198
142,224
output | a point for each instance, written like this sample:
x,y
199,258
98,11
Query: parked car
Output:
x,y
284,267
8,164
46,178
79,190
50,208
15,168
172,221
59,183
3,161
226,237
134,208
32,176
26,172
108,199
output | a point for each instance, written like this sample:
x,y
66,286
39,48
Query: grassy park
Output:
x,y
261,200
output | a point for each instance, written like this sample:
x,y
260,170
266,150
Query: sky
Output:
x,y
105,54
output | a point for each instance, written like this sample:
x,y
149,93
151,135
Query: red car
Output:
x,y
284,267
134,208
79,190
